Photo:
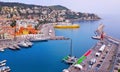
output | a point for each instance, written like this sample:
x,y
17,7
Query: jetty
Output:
x,y
49,31
104,56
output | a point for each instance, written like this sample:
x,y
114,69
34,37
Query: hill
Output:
x,y
58,7
12,4
55,13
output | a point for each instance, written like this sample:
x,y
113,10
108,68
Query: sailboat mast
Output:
x,y
71,47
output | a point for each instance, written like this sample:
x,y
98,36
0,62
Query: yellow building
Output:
x,y
25,32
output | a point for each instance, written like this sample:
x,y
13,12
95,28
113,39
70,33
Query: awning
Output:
x,y
78,66
97,54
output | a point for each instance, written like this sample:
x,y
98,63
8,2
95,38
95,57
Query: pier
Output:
x,y
108,61
104,57
48,31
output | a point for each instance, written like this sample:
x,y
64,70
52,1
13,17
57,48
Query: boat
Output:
x,y
12,47
3,61
99,33
23,44
66,25
29,43
96,37
2,64
70,59
5,69
65,70
16,46
39,39
1,50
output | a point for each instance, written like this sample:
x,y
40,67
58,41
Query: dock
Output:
x,y
108,61
47,32
104,57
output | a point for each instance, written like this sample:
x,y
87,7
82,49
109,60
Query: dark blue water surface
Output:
x,y
47,56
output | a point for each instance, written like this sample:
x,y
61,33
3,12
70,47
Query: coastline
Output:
x,y
79,19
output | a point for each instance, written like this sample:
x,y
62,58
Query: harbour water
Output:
x,y
47,56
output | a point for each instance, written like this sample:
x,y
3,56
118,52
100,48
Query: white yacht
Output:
x,y
23,44
16,46
3,61
2,50
29,43
2,64
40,39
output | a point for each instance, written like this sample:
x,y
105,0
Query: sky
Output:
x,y
88,6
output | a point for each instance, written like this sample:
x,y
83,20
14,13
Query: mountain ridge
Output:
x,y
12,4
55,13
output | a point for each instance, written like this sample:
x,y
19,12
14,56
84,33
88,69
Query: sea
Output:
x,y
47,56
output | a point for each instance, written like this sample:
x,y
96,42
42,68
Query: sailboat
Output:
x,y
70,59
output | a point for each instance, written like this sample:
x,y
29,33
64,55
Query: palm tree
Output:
x,y
13,24
39,23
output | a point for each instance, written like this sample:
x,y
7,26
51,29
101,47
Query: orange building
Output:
x,y
28,30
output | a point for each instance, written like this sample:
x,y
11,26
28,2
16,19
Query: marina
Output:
x,y
59,36
38,50
81,45
47,31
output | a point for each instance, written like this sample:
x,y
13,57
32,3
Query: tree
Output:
x,y
0,8
119,70
36,27
13,24
39,23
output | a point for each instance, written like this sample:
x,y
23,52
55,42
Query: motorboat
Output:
x,y
2,64
3,61
29,43
96,37
23,44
